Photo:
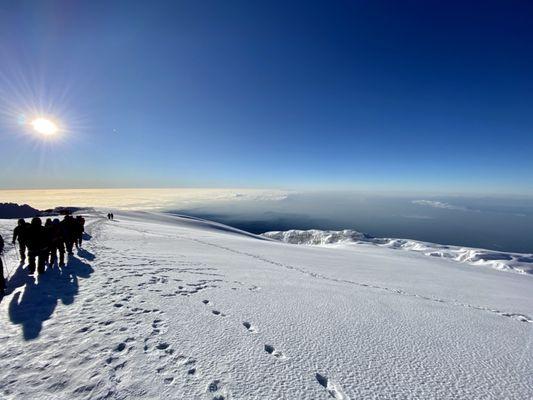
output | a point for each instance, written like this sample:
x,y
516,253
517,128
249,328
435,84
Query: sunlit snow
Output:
x,y
162,307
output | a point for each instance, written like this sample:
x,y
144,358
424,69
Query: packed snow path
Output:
x,y
161,307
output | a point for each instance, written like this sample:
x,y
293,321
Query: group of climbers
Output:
x,y
45,243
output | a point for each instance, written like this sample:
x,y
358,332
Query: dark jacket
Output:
x,y
80,225
36,238
56,234
20,233
68,229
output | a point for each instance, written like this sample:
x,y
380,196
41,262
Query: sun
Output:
x,y
44,126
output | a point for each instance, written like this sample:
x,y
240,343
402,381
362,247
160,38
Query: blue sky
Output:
x,y
378,95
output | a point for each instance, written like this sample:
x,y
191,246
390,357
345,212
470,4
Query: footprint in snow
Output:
x,y
216,388
169,380
332,388
165,347
162,346
216,312
249,326
276,353
120,347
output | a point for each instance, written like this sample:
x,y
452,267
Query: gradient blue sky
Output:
x,y
388,95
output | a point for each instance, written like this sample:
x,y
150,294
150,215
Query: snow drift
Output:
x,y
511,262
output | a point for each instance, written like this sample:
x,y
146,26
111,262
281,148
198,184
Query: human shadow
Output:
x,y
16,280
37,302
86,254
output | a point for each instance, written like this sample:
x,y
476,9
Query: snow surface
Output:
x,y
510,262
164,307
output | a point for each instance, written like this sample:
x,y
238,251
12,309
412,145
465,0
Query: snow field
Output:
x,y
161,307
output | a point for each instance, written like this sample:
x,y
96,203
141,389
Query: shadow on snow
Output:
x,y
86,254
36,303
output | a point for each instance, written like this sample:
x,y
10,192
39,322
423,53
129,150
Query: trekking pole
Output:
x,y
17,251
8,270
5,266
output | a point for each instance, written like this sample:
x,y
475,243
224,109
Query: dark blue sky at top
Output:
x,y
385,95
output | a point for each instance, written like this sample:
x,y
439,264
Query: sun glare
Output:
x,y
44,126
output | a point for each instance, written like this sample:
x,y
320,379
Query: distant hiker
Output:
x,y
2,279
109,216
57,244
80,228
20,234
112,217
37,246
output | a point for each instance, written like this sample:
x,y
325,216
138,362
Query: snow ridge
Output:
x,y
503,261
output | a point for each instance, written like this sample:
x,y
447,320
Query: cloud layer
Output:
x,y
136,199
438,204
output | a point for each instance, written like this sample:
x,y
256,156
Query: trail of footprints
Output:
x,y
171,365
332,388
119,353
168,363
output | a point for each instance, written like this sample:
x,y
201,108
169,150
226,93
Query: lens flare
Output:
x,y
44,126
